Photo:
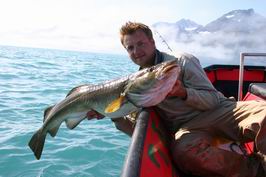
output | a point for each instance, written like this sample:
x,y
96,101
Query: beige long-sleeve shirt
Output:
x,y
201,95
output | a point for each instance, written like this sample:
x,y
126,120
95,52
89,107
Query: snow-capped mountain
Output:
x,y
183,25
237,21
234,32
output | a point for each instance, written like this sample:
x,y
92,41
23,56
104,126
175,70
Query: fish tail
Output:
x,y
36,143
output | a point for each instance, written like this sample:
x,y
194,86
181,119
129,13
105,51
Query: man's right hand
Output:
x,y
94,115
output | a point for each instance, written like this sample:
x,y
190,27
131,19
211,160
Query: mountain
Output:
x,y
237,21
183,25
234,32
182,28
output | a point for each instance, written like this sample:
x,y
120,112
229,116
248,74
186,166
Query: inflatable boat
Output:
x,y
148,154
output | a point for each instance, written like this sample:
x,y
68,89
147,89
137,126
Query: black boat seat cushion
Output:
x,y
258,89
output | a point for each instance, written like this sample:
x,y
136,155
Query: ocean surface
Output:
x,y
33,79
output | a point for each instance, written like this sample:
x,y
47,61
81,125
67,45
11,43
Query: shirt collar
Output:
x,y
158,57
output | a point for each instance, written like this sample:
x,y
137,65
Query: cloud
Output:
x,y
217,47
73,24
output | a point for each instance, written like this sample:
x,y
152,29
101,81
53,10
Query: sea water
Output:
x,y
33,79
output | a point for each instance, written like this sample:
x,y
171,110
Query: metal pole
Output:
x,y
241,71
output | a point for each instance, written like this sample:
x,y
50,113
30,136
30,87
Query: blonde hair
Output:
x,y
131,27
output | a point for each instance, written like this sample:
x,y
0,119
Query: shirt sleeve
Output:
x,y
200,92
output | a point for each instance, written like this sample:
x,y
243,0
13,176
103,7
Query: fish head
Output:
x,y
150,86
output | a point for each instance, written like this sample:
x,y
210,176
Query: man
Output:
x,y
196,113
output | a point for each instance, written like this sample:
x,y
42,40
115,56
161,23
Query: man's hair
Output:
x,y
132,27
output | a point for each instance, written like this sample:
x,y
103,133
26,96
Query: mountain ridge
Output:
x,y
233,32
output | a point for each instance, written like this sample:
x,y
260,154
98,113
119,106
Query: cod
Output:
x,y
113,99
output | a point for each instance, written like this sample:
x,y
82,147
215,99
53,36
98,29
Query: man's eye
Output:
x,y
129,48
140,44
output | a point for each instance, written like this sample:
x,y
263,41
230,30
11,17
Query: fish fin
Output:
x,y
36,143
78,88
114,105
46,112
53,131
72,123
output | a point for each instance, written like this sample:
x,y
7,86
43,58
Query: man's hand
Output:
x,y
94,115
178,90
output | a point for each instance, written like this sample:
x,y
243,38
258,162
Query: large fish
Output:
x,y
113,99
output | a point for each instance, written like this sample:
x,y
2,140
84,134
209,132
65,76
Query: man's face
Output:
x,y
140,48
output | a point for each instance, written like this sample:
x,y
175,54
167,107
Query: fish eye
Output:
x,y
151,69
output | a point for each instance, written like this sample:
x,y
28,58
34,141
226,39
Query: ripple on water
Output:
x,y
33,79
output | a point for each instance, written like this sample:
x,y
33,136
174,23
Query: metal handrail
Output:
x,y
241,70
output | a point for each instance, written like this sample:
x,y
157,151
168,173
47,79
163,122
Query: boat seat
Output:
x,y
258,89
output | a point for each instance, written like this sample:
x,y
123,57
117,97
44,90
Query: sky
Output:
x,y
93,25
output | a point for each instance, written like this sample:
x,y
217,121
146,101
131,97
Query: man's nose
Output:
x,y
136,50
